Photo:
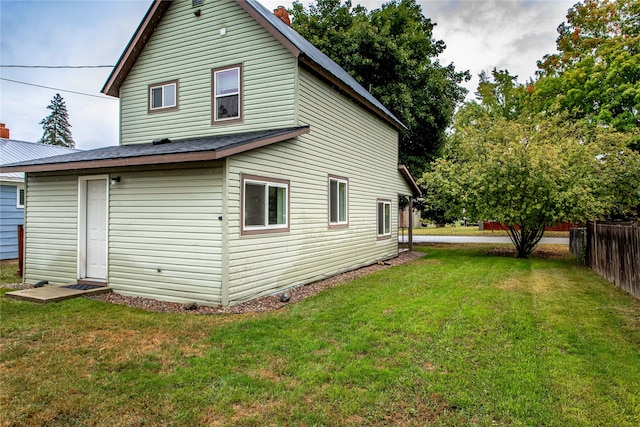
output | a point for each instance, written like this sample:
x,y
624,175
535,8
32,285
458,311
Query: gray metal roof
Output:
x,y
319,58
202,148
12,151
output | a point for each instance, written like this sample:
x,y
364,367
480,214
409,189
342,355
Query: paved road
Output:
x,y
480,239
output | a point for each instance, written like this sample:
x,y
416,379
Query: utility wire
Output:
x,y
56,66
59,90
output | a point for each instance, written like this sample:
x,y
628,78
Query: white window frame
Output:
x,y
340,222
267,183
215,97
386,221
164,87
20,189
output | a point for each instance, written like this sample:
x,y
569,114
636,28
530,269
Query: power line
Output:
x,y
56,66
56,89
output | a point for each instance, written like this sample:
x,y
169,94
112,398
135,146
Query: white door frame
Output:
x,y
82,221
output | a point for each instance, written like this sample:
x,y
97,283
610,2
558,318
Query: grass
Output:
x,y
458,337
8,271
461,230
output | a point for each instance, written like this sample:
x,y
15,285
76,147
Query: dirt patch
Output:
x,y
546,251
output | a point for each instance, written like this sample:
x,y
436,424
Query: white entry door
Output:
x,y
96,229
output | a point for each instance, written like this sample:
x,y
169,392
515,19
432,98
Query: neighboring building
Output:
x,y
12,187
249,163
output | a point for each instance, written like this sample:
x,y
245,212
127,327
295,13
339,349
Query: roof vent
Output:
x,y
161,141
197,3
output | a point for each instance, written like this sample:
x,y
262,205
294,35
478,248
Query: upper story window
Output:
x,y
265,205
163,96
227,94
338,201
20,197
384,218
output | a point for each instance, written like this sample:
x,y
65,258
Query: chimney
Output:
x,y
4,132
282,13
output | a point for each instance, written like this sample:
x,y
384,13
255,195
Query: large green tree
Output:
x,y
392,53
56,125
596,73
531,173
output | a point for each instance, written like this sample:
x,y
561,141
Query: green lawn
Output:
x,y
458,337
8,274
460,230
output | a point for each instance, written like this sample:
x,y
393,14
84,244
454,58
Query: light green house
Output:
x,y
249,163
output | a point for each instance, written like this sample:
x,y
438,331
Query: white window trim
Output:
x,y
339,223
216,119
385,225
267,182
164,87
20,188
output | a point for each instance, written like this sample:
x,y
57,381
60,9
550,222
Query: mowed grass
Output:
x,y
458,337
8,270
461,230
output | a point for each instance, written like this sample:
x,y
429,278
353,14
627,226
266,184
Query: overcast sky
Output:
x,y
479,34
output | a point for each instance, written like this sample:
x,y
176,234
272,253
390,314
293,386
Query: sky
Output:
x,y
480,35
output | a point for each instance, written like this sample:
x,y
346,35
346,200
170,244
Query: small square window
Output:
x,y
163,96
265,205
227,94
20,197
384,218
338,202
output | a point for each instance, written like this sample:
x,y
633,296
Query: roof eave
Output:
x,y
415,188
133,50
156,159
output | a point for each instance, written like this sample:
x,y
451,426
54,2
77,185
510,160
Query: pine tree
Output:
x,y
56,125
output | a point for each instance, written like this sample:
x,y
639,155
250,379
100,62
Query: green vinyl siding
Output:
x,y
186,48
51,234
165,234
346,141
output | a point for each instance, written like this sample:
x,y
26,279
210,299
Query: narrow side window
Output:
x,y
20,197
338,202
384,218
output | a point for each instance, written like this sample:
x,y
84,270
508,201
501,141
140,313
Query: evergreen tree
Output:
x,y
56,125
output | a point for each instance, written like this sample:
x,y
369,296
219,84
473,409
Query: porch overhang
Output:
x,y
415,188
161,152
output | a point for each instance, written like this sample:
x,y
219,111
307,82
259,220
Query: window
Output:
x,y
163,96
384,218
265,205
19,197
338,202
227,90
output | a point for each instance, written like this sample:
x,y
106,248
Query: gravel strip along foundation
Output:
x,y
258,305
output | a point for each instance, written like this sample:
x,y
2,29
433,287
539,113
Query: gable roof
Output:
x,y
13,150
302,49
179,151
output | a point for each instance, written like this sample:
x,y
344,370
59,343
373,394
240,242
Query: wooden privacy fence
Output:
x,y
613,251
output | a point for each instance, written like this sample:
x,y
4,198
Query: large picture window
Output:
x,y
384,218
163,96
265,205
227,94
338,202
